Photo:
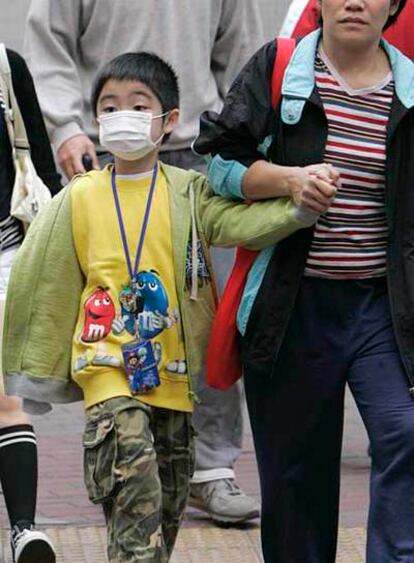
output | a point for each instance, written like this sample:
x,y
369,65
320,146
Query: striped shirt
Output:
x,y
350,239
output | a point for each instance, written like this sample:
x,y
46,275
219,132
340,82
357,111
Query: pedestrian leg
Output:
x,y
121,472
174,444
379,384
297,420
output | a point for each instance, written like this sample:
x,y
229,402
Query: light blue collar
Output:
x,y
403,72
299,80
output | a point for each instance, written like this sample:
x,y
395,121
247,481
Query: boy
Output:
x,y
115,278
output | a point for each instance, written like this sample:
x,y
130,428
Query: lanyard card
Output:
x,y
140,366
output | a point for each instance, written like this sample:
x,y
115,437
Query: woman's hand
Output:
x,y
314,187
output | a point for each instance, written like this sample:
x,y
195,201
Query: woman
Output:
x,y
333,304
18,450
303,17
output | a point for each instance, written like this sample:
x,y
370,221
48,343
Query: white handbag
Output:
x,y
29,193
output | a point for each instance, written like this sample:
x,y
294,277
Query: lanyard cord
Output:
x,y
133,272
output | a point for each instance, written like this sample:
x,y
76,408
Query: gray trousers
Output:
x,y
218,418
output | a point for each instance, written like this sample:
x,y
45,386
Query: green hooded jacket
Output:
x,y
46,282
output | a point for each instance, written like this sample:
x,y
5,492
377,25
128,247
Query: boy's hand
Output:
x,y
70,155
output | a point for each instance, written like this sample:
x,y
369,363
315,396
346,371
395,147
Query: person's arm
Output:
x,y
42,308
239,35
53,31
40,148
227,223
231,139
311,186
237,168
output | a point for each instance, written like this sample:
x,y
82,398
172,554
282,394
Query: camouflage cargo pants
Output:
x,y
138,462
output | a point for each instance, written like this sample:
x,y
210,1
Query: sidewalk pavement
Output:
x,y
77,526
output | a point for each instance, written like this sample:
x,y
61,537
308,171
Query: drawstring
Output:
x,y
194,274
194,247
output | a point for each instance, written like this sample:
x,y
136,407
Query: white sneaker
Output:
x,y
224,501
31,546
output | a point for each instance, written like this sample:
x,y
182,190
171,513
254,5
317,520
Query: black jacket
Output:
x,y
246,121
40,149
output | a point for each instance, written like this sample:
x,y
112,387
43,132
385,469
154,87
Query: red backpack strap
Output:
x,y
284,51
223,359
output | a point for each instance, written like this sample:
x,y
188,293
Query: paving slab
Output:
x,y
77,526
194,545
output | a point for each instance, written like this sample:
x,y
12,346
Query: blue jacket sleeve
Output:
x,y
226,177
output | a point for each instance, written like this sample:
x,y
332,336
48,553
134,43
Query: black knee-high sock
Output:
x,y
18,472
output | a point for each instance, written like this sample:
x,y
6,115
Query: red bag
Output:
x,y
223,361
308,21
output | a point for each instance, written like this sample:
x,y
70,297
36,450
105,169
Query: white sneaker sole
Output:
x,y
223,518
37,550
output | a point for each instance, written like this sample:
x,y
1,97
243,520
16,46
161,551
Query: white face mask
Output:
x,y
127,134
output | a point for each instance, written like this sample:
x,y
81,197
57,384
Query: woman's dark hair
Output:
x,y
393,18
390,20
147,68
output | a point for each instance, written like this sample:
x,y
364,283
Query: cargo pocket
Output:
x,y
100,455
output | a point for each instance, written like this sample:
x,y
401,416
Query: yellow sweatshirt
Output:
x,y
105,320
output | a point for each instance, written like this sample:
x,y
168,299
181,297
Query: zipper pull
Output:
x,y
194,398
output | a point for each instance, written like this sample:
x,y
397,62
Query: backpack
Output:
x,y
223,366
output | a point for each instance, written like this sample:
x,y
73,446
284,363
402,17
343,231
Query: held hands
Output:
x,y
70,155
314,187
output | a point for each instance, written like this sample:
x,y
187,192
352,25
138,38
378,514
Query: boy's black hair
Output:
x,y
391,19
149,69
